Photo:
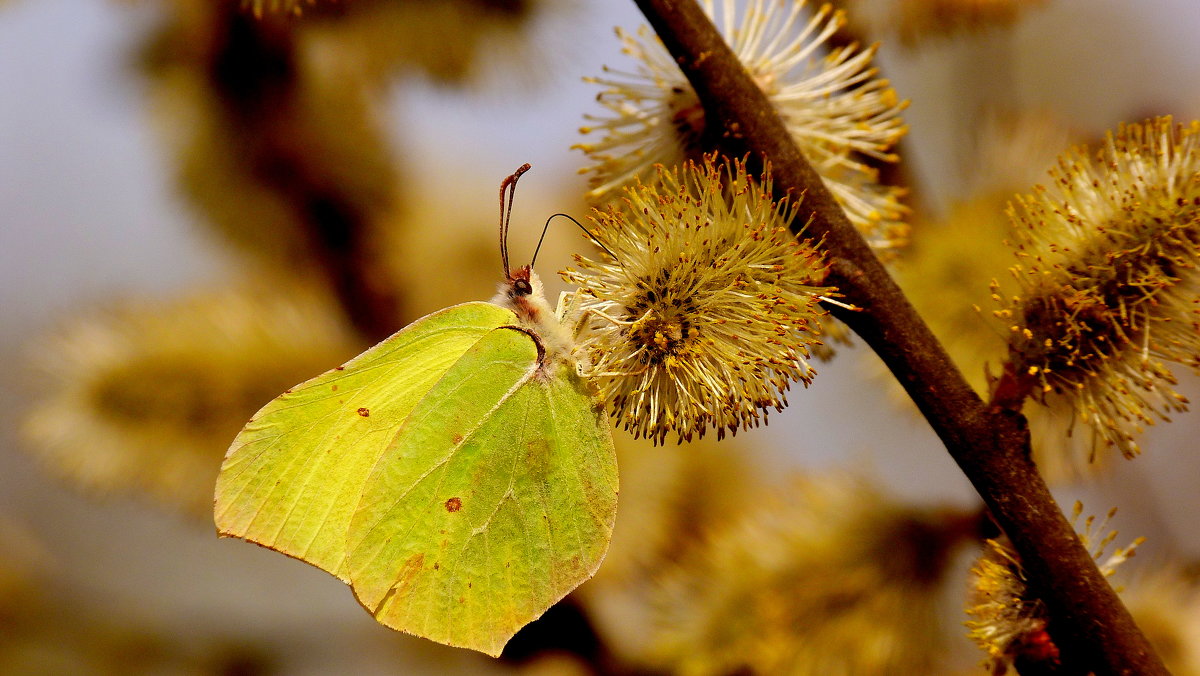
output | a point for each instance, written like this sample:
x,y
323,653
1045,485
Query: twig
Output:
x,y
989,443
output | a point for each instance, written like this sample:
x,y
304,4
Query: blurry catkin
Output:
x,y
827,577
454,42
296,7
1108,290
672,497
834,107
277,140
951,291
471,44
948,288
1007,622
23,557
703,314
277,123
145,398
917,21
38,590
1165,602
475,45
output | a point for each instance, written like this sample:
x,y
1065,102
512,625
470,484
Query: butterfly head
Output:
x,y
522,281
522,293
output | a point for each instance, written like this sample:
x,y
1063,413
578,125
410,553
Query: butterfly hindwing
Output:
x,y
293,477
495,499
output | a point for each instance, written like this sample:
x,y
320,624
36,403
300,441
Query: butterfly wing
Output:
x,y
496,498
293,477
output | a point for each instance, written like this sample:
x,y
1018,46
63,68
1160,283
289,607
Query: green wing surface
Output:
x,y
294,475
495,499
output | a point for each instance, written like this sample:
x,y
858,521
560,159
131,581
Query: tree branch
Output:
x,y
989,443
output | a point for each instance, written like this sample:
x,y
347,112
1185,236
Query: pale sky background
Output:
x,y
88,214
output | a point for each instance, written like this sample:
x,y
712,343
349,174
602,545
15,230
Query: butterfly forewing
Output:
x,y
293,477
496,499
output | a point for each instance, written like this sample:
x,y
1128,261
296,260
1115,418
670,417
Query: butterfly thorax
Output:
x,y
523,293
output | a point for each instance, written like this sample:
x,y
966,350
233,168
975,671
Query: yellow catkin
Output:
x,y
1109,284
834,109
704,312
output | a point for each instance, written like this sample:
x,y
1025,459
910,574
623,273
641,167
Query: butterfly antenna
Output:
x,y
587,232
508,185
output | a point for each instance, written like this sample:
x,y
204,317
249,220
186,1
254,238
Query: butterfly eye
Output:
x,y
522,287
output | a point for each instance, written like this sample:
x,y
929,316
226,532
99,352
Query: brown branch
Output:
x,y
989,443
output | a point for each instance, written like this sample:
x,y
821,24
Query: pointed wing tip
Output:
x,y
225,531
496,643
492,646
222,523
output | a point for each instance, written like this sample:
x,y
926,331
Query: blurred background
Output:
x,y
199,209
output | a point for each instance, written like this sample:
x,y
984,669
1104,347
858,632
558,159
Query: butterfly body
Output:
x,y
524,294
